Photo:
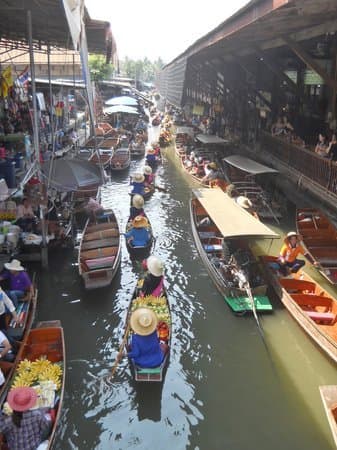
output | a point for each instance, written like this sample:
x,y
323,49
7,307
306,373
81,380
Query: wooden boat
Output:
x,y
223,246
309,304
162,308
100,251
319,236
329,399
102,156
121,159
139,252
241,172
19,333
137,149
47,341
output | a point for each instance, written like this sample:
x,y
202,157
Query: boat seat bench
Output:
x,y
326,317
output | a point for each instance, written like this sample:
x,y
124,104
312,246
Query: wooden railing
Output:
x,y
321,170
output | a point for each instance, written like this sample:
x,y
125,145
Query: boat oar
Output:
x,y
248,289
119,354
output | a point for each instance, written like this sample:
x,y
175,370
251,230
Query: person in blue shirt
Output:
x,y
137,208
139,234
151,158
137,183
145,346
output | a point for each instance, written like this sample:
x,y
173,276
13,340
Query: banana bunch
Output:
x,y
40,370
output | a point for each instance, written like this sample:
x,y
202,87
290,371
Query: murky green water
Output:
x,y
224,388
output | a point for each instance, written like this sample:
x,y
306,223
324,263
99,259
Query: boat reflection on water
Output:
x,y
148,400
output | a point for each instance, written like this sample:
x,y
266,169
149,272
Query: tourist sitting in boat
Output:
x,y
139,235
25,217
6,351
321,147
148,175
20,284
6,305
246,204
137,208
212,172
25,428
153,283
287,260
137,183
146,350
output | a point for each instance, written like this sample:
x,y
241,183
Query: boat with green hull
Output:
x,y
223,233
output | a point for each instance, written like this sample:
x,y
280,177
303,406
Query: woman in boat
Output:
x,y
291,248
146,350
246,204
20,284
148,175
137,183
24,429
151,158
139,235
137,208
153,283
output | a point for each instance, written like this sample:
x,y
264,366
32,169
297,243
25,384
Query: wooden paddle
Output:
x,y
119,354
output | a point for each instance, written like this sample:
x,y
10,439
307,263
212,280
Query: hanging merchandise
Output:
x,y
40,101
6,81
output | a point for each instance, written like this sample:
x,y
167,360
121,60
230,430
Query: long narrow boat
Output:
x,y
161,306
102,157
100,250
329,399
319,236
309,304
46,342
222,237
139,252
242,172
121,159
19,332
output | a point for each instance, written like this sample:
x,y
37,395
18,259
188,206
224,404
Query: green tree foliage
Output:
x,y
99,70
140,69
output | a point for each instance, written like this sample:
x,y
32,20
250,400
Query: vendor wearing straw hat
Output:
x,y
20,285
137,183
148,175
139,235
151,157
153,283
25,429
137,208
291,248
145,346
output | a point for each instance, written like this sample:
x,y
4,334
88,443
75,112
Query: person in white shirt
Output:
x,y
5,348
6,302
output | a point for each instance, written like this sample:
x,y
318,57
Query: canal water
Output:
x,y
225,388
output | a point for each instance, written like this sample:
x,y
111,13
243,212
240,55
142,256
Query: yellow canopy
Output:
x,y
231,220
